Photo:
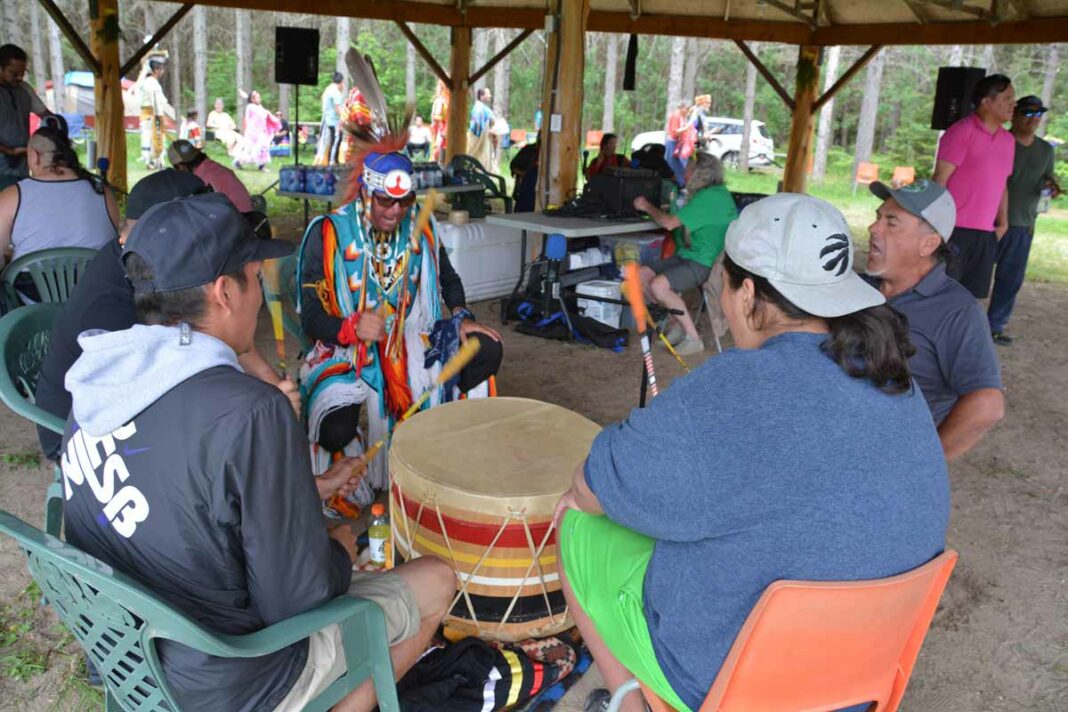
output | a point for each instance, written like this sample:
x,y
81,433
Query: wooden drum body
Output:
x,y
475,483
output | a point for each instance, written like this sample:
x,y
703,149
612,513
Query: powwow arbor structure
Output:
x,y
811,25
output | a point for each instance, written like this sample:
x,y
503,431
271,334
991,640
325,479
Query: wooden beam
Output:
x,y
1048,30
791,11
155,39
700,26
795,172
766,73
72,35
846,77
955,6
501,55
107,88
562,93
459,66
917,11
423,52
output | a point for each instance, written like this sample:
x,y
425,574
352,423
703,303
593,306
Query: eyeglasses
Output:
x,y
385,202
1031,114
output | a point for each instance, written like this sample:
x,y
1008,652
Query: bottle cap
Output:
x,y
378,509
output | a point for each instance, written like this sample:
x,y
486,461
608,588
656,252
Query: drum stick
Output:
x,y
273,289
672,351
637,307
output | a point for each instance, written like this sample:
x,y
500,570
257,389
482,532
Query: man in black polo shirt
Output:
x,y
193,477
103,299
955,364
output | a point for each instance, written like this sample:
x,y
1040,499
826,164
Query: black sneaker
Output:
x,y
597,701
1001,338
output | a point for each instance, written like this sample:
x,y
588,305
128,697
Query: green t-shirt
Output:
x,y
706,216
1031,167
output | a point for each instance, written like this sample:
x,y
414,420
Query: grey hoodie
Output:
x,y
194,478
120,373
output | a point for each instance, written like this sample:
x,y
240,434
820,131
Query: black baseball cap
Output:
x,y
1030,104
205,236
159,188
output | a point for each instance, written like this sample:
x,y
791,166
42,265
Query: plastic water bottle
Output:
x,y
1044,200
378,536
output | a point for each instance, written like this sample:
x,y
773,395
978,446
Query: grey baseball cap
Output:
x,y
802,246
924,199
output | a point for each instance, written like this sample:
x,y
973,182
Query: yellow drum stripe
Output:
x,y
441,551
517,676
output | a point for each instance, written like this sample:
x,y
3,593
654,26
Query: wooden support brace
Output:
x,y
846,77
792,11
155,39
501,55
71,34
766,73
423,52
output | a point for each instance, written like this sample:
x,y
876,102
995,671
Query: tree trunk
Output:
x,y
747,110
678,62
869,110
608,120
11,15
409,74
40,69
55,48
200,62
823,134
956,56
344,39
174,70
502,74
988,61
480,42
689,71
1052,65
283,99
244,64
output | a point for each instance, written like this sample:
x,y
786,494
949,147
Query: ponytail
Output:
x,y
872,343
64,156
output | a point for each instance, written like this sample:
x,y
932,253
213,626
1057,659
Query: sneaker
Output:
x,y
1001,338
597,701
675,334
690,346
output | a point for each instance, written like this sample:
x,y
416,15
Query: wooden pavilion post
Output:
x,y
806,91
459,71
110,134
562,92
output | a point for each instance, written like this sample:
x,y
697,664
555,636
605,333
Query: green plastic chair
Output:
x,y
494,185
54,272
117,621
24,337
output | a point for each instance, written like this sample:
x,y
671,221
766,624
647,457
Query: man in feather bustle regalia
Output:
x,y
371,297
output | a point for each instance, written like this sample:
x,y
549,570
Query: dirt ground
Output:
x,y
999,641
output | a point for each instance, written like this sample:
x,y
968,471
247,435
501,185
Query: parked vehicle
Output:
x,y
723,139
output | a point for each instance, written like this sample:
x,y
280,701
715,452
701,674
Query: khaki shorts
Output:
x,y
326,654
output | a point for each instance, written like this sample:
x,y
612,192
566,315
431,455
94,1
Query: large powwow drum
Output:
x,y
475,483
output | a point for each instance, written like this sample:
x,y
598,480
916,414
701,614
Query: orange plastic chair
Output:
x,y
903,175
867,173
819,646
593,139
518,136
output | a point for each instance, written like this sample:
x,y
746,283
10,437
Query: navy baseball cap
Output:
x,y
1030,104
159,188
204,237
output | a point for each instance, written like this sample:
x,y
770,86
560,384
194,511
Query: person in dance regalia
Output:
x,y
385,308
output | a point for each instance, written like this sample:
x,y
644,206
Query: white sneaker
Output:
x,y
690,346
675,334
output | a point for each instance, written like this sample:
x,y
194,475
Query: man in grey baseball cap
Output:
x,y
955,364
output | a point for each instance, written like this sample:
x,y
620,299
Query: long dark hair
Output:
x,y
872,343
64,156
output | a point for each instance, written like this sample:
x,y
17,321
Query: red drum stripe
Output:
x,y
478,533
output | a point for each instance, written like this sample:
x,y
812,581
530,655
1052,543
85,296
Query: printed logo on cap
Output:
x,y
839,252
398,183
915,187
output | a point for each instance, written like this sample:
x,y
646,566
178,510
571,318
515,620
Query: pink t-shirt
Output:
x,y
984,164
222,180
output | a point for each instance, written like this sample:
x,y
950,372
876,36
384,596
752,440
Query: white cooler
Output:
x,y
604,312
485,256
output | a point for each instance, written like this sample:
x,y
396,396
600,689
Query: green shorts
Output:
x,y
605,564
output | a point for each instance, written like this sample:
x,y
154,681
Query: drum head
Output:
x,y
493,449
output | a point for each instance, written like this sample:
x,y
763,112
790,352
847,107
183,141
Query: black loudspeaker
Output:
x,y
953,94
631,63
296,55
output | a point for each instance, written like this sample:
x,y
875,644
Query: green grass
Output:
x,y
1049,253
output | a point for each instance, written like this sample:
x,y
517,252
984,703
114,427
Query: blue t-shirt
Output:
x,y
761,465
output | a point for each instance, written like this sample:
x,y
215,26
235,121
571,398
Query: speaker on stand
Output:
x,y
953,95
296,61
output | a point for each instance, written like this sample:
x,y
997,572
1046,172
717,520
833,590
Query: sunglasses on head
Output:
x,y
1031,114
386,202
